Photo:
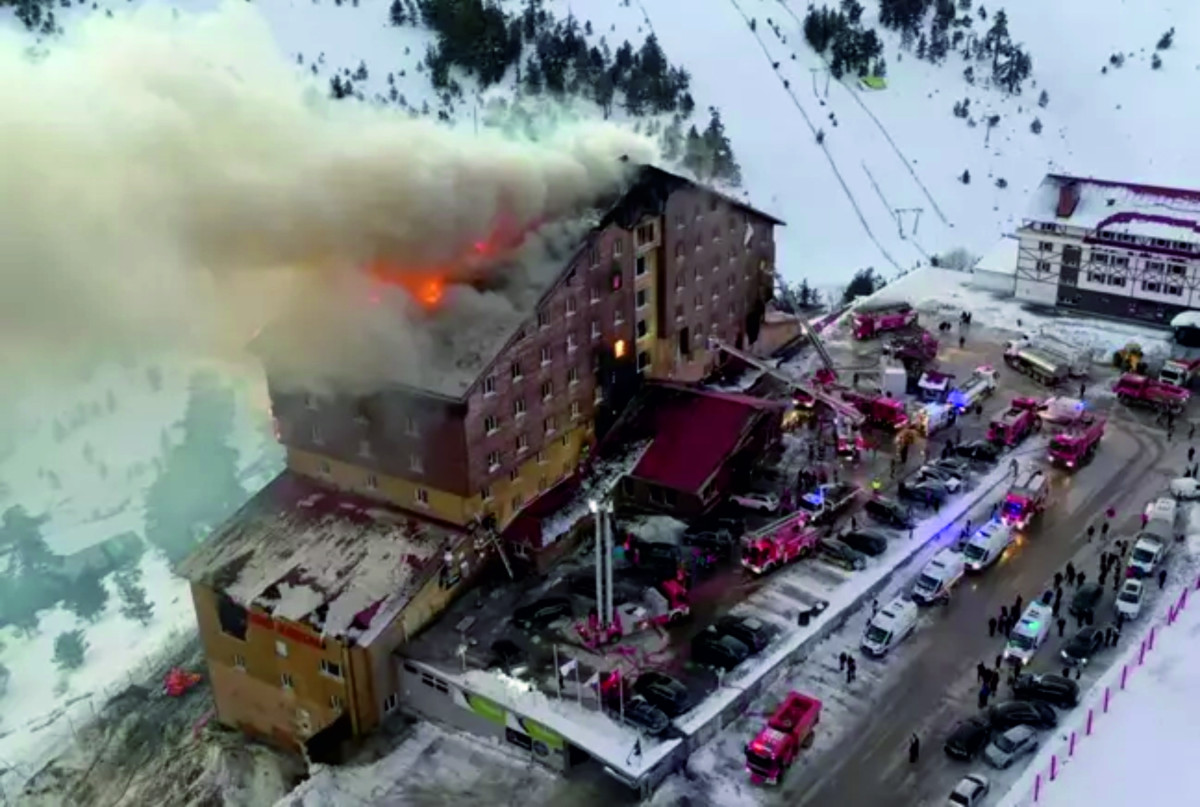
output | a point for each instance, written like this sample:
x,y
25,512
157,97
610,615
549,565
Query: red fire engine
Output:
x,y
1077,444
1026,499
779,543
1017,422
775,748
879,410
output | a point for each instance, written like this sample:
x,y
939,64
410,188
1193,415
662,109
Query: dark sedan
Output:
x,y
639,713
663,692
542,613
867,541
890,512
978,450
839,554
1086,598
1034,714
927,492
1082,646
959,467
968,738
749,631
1047,688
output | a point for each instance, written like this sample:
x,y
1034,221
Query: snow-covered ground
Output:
x,y
1145,746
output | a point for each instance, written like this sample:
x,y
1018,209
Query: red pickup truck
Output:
x,y
1133,389
776,747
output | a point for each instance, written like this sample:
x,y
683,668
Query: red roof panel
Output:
x,y
694,432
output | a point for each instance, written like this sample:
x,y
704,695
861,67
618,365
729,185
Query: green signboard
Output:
x,y
487,709
539,733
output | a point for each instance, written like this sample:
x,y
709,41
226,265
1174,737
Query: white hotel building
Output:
x,y
1112,248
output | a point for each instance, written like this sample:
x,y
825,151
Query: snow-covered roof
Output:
x,y
1186,319
344,564
1001,259
1123,207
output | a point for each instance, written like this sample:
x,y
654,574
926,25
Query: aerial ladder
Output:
x,y
790,298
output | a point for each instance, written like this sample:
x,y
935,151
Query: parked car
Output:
x,y
639,713
968,738
927,492
978,450
712,649
505,655
1004,716
890,512
1185,488
1047,688
1129,598
1086,598
872,542
719,541
839,554
751,632
955,465
1080,648
952,481
663,692
1010,746
970,791
541,614
765,502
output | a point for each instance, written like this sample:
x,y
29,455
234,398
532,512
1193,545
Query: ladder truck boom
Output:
x,y
806,329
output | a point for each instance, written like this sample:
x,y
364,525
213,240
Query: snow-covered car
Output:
x,y
1010,746
955,465
1080,648
639,713
1185,488
970,791
1129,599
766,502
839,554
1147,554
952,481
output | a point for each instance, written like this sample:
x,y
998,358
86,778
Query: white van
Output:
x,y
1147,554
938,577
936,416
1028,634
889,627
1161,514
987,545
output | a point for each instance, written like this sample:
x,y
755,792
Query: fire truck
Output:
x,y
980,385
1016,423
879,410
779,543
789,729
870,321
1179,372
1026,499
1077,443
1140,390
914,351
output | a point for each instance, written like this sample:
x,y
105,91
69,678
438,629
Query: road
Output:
x,y
936,685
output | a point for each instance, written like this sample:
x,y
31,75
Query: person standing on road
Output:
x,y
981,672
1103,574
1070,573
1191,431
914,750
842,662
1081,577
1082,389
1062,626
1091,532
991,626
1058,578
983,696
1162,579
1104,531
1016,609
851,670
1191,453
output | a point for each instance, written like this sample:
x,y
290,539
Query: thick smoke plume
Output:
x,y
173,182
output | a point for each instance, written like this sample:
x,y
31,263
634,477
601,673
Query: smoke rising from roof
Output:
x,y
172,182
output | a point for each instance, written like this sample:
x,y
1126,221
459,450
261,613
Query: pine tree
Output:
x,y
198,487
997,37
86,597
724,166
134,604
1043,99
396,13
865,282
21,542
69,650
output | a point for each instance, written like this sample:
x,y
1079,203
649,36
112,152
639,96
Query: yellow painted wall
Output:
x,y
561,458
254,698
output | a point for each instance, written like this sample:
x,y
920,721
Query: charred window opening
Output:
x,y
233,618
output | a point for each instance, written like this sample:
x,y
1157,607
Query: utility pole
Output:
x,y
900,219
814,71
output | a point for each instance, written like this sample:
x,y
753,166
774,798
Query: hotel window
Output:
x,y
639,266
593,295
422,496
678,312
716,234
1149,285
699,300
1120,260
641,298
416,463
485,493
324,468
599,399
1045,246
1177,269
1116,280
1043,266
281,648
515,371
619,316
593,257
575,411
372,481
571,345
680,279
493,461
643,360
390,703
522,443
1100,257
573,376
642,328
696,274
285,680
1154,266
541,458
310,403
543,319
729,281
679,251
489,385
1175,291
410,427
519,407
595,329
335,702
547,390
732,224
645,234
712,203
239,661
317,437
491,424
679,225
549,424
618,247
330,668
545,355
570,306
364,448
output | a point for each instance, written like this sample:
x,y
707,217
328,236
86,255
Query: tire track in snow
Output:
x,y
878,123
812,128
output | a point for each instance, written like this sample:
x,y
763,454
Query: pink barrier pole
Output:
x,y
1107,693
1037,787
1091,714
1183,600
1198,584
1071,748
1124,674
1053,767
1142,654
1152,631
